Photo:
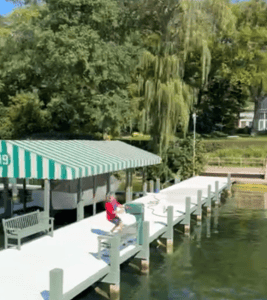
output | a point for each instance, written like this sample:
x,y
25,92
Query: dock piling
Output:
x,y
113,277
94,195
143,255
157,185
209,200
217,194
199,206
169,233
186,221
208,220
128,187
151,186
56,284
80,203
229,184
145,188
177,180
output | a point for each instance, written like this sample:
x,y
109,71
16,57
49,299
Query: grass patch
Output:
x,y
137,184
251,187
254,147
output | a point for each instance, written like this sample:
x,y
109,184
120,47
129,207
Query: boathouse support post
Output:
x,y
113,277
144,183
187,218
151,186
209,200
169,233
94,195
80,208
144,188
108,183
229,184
14,187
56,284
157,185
46,198
24,199
128,187
7,203
199,206
144,254
131,182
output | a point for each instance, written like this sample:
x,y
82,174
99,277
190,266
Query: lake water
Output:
x,y
227,261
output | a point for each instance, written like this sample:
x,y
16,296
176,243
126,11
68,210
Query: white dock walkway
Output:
x,y
24,274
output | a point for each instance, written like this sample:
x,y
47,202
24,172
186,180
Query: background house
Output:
x,y
245,119
247,115
261,116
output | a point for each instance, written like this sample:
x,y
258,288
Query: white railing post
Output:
x,y
56,284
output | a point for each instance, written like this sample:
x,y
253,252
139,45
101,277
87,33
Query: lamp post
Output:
x,y
194,144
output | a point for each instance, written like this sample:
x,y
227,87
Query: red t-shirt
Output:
x,y
110,211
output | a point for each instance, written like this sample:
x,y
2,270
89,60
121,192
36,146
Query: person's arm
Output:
x,y
121,207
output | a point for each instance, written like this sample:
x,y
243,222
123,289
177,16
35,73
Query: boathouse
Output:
x,y
74,165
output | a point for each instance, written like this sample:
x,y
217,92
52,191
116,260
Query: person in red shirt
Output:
x,y
111,209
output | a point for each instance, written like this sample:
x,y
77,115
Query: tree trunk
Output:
x,y
256,116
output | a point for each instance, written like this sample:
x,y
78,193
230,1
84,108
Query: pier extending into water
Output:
x,y
61,267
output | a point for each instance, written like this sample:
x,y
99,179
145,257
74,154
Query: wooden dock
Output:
x,y
26,274
236,172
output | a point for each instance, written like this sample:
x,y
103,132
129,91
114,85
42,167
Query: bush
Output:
x,y
206,136
245,130
218,134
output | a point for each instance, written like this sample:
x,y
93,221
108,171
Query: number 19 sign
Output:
x,y
4,159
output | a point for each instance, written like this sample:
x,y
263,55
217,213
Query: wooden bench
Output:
x,y
26,225
128,232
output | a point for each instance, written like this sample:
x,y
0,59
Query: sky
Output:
x,y
6,7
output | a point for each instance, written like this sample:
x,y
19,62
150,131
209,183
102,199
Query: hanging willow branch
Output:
x,y
166,99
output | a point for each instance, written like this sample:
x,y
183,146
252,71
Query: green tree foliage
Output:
x,y
180,157
220,104
179,160
247,62
70,51
25,115
97,66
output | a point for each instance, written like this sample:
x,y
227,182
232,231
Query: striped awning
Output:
x,y
69,159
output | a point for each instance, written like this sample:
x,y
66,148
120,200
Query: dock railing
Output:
x,y
237,162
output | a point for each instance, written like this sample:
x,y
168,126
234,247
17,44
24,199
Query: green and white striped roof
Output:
x,y
69,159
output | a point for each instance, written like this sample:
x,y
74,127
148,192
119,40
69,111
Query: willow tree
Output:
x,y
166,96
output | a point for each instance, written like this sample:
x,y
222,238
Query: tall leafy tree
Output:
x,y
248,61
72,53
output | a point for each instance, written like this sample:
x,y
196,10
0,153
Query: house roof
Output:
x,y
69,159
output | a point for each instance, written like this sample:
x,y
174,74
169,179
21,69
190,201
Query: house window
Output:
x,y
261,124
243,124
262,116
